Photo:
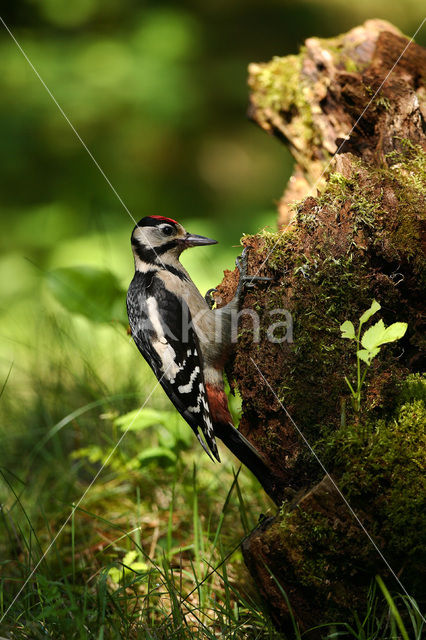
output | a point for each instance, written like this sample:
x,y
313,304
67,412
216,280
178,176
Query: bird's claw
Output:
x,y
242,262
209,297
242,265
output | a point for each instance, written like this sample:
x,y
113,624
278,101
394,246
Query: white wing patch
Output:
x,y
166,352
187,388
167,355
201,402
154,317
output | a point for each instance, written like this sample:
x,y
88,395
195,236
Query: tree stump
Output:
x,y
359,143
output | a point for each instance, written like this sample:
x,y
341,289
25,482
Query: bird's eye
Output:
x,y
167,229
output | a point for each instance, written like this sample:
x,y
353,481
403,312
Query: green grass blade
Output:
x,y
392,606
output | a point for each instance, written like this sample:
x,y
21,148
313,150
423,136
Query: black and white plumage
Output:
x,y
157,322
184,341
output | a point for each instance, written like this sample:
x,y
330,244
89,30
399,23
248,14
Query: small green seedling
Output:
x,y
371,341
131,565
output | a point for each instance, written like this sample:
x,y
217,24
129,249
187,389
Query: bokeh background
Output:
x,y
157,90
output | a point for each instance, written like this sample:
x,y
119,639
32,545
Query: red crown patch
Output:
x,y
165,219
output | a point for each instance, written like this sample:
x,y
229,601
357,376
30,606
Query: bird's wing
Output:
x,y
161,327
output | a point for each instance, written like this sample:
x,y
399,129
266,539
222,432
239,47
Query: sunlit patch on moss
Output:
x,y
279,86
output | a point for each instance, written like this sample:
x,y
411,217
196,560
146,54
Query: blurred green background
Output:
x,y
157,90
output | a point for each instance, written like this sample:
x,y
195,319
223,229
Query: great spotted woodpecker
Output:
x,y
184,340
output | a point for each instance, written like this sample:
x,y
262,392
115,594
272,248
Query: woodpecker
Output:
x,y
184,340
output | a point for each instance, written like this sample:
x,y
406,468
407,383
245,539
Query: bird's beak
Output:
x,y
192,240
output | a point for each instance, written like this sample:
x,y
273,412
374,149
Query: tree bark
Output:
x,y
353,112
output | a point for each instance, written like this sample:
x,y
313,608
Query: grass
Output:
x,y
185,593
153,549
144,535
145,574
154,554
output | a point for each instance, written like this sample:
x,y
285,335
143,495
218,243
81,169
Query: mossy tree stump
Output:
x,y
359,237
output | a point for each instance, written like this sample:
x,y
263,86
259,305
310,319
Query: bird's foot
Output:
x,y
245,280
209,298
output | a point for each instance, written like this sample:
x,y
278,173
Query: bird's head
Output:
x,y
157,240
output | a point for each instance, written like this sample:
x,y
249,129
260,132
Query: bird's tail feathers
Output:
x,y
210,448
248,455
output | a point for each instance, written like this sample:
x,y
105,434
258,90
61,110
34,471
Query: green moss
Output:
x,y
351,66
378,464
407,175
344,53
278,247
331,282
383,102
413,388
398,230
362,203
318,551
314,569
326,265
409,164
382,462
279,85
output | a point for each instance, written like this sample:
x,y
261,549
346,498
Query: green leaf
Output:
x,y
378,334
373,336
115,574
93,293
130,564
130,561
140,419
395,331
375,306
176,433
130,557
348,330
139,567
93,452
367,356
158,455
